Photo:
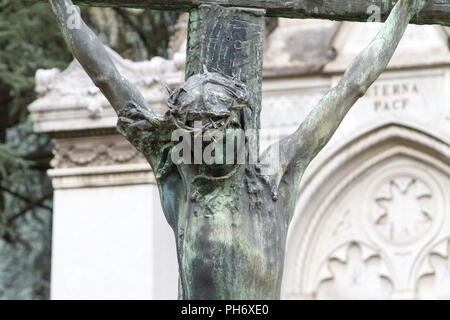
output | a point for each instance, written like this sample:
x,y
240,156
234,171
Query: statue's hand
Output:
x,y
142,127
136,117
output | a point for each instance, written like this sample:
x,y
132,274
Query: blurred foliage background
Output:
x,y
30,40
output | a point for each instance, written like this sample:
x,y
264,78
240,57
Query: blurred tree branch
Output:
x,y
29,206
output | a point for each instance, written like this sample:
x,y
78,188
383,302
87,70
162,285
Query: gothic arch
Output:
x,y
344,180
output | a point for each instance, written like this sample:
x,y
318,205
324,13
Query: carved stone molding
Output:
x,y
434,283
350,270
94,152
69,100
105,176
95,161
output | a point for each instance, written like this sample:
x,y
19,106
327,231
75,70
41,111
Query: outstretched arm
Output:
x,y
319,126
91,54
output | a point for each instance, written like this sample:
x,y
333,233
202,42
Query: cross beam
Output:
x,y
436,11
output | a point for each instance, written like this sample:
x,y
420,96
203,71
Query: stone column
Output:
x,y
110,237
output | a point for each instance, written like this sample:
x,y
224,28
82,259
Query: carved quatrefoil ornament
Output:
x,y
404,209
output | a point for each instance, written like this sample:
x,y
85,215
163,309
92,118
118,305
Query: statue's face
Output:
x,y
210,105
210,98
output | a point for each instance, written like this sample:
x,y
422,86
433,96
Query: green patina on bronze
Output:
x,y
230,221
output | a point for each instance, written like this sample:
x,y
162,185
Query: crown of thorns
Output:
x,y
209,97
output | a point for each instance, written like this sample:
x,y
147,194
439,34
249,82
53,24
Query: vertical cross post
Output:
x,y
229,40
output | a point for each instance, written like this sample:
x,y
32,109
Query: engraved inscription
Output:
x,y
392,96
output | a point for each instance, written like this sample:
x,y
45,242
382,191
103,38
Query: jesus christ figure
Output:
x,y
230,220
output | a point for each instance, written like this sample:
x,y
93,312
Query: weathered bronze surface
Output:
x,y
230,220
435,12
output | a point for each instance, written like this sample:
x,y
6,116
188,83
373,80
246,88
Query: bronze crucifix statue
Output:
x,y
230,218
